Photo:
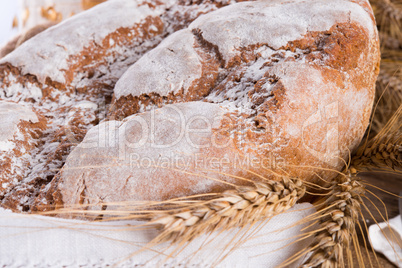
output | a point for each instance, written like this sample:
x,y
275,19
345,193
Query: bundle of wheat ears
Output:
x,y
341,203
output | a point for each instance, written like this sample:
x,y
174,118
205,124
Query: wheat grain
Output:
x,y
339,212
232,208
383,153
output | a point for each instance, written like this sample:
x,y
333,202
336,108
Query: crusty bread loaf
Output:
x,y
288,85
19,135
68,72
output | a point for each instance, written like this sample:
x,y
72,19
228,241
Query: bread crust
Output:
x,y
22,127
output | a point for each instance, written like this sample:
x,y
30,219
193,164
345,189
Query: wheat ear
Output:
x,y
384,150
383,153
233,208
339,213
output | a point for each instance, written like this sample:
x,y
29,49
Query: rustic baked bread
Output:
x,y
67,73
19,135
288,85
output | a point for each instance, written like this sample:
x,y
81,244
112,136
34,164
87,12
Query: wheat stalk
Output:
x,y
233,208
339,213
384,150
389,41
388,90
388,14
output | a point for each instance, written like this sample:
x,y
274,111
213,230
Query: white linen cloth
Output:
x,y
37,241
387,239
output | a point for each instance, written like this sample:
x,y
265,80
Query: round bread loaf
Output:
x,y
249,89
67,73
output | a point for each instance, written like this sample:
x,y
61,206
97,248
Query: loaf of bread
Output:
x,y
245,92
20,131
67,73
